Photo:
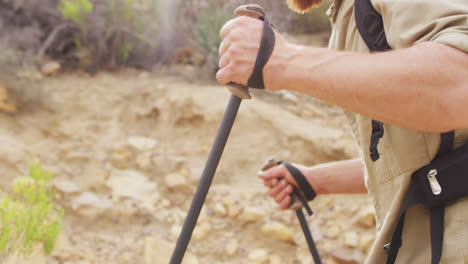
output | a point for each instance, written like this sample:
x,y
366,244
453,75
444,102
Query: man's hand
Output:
x,y
279,180
334,177
238,50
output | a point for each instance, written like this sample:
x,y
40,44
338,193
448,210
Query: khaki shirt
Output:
x,y
402,151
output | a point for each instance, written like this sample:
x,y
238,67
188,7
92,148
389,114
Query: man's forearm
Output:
x,y
338,177
424,87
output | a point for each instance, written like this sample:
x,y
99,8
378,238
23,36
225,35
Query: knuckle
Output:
x,y
235,35
243,20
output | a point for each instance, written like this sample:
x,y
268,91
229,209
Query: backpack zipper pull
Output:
x,y
435,186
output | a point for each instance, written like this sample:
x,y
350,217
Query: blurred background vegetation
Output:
x,y
95,35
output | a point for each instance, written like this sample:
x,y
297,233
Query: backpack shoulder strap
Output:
x,y
370,25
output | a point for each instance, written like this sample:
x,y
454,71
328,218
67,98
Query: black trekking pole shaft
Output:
x,y
308,237
206,179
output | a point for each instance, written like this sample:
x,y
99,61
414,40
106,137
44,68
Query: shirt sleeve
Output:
x,y
409,22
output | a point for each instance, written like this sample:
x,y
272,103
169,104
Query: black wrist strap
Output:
x,y
301,181
267,45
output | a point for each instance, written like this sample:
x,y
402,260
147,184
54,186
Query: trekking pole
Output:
x,y
239,92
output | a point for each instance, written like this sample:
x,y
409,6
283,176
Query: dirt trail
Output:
x,y
127,149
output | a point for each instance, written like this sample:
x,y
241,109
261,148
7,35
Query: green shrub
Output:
x,y
28,215
207,28
119,31
77,11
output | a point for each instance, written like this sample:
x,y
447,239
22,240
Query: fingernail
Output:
x,y
284,183
260,173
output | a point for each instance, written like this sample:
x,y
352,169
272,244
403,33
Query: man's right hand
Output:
x,y
238,51
280,182
329,178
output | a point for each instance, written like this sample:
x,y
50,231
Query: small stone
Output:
x,y
231,247
346,256
134,185
142,143
176,181
65,186
351,239
366,218
90,204
143,161
332,232
233,208
164,204
251,214
219,209
201,231
278,231
258,255
50,68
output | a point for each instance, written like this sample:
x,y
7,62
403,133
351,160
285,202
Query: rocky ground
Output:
x,y
127,150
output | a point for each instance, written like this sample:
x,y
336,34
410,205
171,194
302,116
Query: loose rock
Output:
x,y
143,161
332,231
177,181
278,231
231,247
90,204
258,255
50,68
252,214
142,143
366,218
351,239
134,185
219,209
201,231
65,186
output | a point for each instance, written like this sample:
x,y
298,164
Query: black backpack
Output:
x,y
441,182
